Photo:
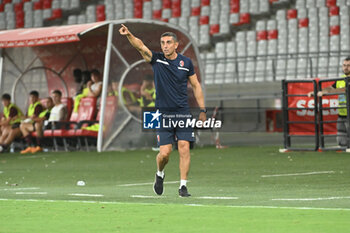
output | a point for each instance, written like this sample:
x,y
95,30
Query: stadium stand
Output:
x,y
276,39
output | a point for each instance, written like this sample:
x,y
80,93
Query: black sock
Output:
x,y
38,141
29,140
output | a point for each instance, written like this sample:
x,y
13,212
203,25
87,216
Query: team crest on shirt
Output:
x,y
182,63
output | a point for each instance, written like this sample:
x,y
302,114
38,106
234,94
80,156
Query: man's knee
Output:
x,y
164,152
183,145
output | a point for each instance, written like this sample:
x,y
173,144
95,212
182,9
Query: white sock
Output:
x,y
183,183
161,174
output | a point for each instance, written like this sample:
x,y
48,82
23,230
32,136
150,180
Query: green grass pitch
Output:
x,y
239,189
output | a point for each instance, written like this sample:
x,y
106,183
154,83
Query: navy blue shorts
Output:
x,y
169,136
172,134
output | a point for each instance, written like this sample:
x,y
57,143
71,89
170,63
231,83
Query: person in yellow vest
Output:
x,y
37,125
339,87
11,118
128,96
83,89
148,92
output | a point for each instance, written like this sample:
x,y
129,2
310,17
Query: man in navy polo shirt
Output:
x,y
172,71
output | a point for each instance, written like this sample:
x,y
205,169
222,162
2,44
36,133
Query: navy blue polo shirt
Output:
x,y
170,79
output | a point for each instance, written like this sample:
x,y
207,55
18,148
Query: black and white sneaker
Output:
x,y
183,191
158,185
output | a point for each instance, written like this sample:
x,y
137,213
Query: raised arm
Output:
x,y
136,43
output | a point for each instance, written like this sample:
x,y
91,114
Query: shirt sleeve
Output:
x,y
38,109
334,85
191,68
13,112
155,56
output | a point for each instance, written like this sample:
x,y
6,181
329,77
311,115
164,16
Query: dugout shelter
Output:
x,y
43,59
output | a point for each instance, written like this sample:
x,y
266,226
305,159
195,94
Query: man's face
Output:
x,y
56,98
5,102
49,103
32,99
168,45
346,68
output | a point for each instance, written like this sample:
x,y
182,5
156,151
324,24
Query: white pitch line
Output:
x,y
31,193
86,195
149,183
300,174
146,197
218,198
20,189
194,205
310,199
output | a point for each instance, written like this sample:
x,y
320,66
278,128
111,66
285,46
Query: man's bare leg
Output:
x,y
185,158
14,133
184,165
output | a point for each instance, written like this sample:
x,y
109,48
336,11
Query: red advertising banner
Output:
x,y
303,114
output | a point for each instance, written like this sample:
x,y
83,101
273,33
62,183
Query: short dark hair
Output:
x,y
347,58
77,75
6,97
173,35
34,93
58,92
95,72
86,76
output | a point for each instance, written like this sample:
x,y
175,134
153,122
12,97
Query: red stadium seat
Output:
x,y
100,13
214,29
19,19
244,18
272,35
292,14
100,9
112,106
205,2
195,11
86,112
333,10
175,4
138,4
234,6
166,4
176,12
157,14
261,35
165,20
6,1
56,14
204,20
330,3
2,7
303,23
47,4
38,5
18,7
334,30
68,101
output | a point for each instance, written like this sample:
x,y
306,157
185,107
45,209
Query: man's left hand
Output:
x,y
202,116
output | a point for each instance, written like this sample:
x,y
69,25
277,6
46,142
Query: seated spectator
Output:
x,y
85,78
37,126
95,85
128,96
148,92
92,88
11,118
